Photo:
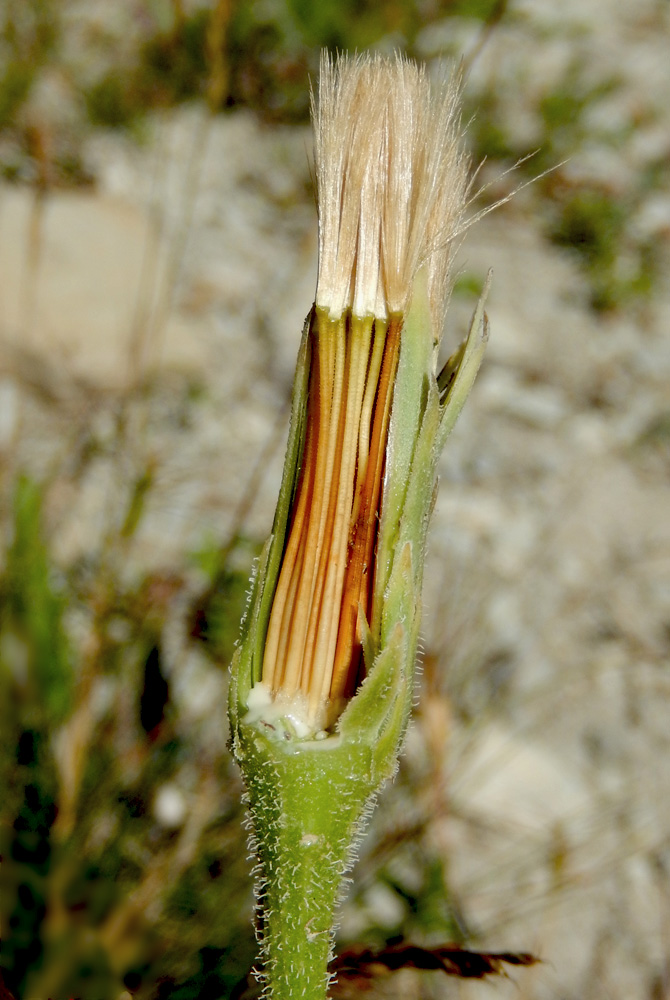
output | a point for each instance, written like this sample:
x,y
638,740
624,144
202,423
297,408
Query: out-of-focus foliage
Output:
x,y
28,41
149,56
594,225
216,616
31,622
586,215
120,825
126,863
121,820
120,813
268,50
261,55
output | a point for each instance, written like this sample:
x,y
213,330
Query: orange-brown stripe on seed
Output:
x,y
359,343
313,535
359,577
333,452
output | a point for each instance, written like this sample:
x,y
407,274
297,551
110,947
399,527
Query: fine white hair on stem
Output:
x,y
391,183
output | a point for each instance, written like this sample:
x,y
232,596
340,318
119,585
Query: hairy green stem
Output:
x,y
306,814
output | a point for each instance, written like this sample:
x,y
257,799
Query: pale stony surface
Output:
x,y
548,582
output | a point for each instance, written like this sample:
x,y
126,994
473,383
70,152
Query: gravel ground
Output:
x,y
548,584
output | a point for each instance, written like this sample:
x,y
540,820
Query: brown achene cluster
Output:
x,y
313,644
391,184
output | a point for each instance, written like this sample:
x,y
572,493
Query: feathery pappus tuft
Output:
x,y
392,183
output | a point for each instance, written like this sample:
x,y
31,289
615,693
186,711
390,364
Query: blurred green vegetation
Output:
x,y
168,51
32,610
590,217
121,821
594,224
268,51
28,42
261,55
89,737
121,817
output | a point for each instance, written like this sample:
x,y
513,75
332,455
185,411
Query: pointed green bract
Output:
x,y
268,577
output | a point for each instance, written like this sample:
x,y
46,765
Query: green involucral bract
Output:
x,y
309,797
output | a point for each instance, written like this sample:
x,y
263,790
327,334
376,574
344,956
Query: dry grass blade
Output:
x,y
355,963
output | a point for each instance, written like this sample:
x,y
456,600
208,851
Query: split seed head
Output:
x,y
391,180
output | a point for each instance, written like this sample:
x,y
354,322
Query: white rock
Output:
x,y
170,806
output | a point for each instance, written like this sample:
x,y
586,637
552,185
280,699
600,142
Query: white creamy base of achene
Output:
x,y
287,715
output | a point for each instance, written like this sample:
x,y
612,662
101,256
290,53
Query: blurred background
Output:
x,y
157,259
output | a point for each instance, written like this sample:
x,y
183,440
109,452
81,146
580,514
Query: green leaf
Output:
x,y
267,579
34,613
